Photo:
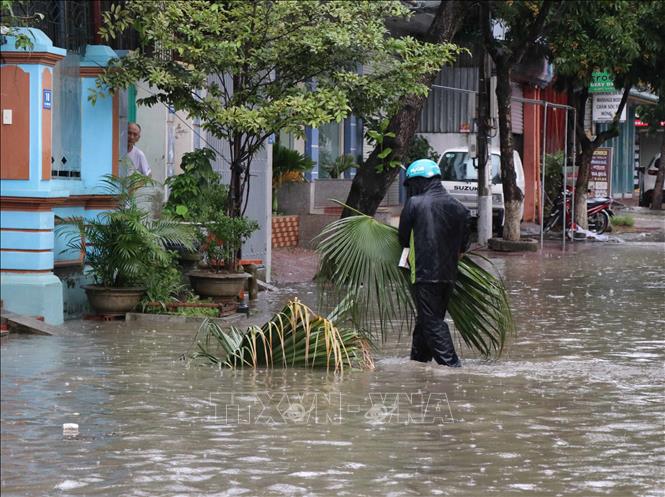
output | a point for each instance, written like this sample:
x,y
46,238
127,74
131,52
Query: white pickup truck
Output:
x,y
459,176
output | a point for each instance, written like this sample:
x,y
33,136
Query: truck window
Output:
x,y
457,166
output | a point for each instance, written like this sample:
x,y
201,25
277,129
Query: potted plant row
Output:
x,y
123,248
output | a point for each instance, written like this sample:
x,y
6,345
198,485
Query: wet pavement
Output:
x,y
574,408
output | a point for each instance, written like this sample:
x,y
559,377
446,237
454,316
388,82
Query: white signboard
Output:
x,y
605,105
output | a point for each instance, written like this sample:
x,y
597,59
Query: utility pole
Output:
x,y
483,140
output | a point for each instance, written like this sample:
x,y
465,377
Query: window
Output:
x,y
329,147
458,166
66,115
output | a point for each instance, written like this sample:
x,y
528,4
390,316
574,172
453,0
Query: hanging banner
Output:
x,y
600,174
606,105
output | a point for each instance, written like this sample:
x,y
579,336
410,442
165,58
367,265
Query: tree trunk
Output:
x,y
586,148
657,198
370,186
512,195
582,183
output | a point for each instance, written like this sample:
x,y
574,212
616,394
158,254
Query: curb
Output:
x,y
501,245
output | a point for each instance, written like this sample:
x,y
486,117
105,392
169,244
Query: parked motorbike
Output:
x,y
598,212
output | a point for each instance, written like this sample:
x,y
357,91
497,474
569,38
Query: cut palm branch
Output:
x,y
295,337
358,266
359,257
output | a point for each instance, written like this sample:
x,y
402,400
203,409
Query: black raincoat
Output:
x,y
440,226
436,228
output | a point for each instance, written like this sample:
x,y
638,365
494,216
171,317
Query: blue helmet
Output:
x,y
423,168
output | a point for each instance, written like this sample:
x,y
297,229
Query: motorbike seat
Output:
x,y
597,201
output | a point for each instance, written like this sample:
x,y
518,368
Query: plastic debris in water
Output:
x,y
70,430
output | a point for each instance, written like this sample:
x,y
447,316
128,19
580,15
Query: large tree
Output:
x,y
524,24
589,37
251,69
393,136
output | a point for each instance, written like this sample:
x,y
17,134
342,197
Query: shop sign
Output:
x,y
642,124
605,106
600,173
601,82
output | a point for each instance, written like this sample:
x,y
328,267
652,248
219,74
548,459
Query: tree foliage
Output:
x,y
596,36
12,20
394,130
251,69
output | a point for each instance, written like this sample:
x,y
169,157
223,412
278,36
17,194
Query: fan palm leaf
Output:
x,y
358,258
295,337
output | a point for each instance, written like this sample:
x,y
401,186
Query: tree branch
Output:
x,y
536,27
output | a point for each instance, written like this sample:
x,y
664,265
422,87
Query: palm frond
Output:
x,y
359,258
296,337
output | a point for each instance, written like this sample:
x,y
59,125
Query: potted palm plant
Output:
x,y
122,247
223,239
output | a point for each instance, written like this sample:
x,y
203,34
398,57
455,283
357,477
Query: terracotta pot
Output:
x,y
105,300
189,261
216,285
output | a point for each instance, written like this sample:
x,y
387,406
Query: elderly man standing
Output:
x,y
134,154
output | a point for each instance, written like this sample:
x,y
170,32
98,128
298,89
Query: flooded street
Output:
x,y
575,407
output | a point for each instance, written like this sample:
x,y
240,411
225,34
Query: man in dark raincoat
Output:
x,y
435,227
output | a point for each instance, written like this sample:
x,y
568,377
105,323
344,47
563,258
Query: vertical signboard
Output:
x,y
600,175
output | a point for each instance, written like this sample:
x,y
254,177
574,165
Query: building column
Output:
x,y
26,198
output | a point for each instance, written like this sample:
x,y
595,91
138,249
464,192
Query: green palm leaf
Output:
x,y
359,257
295,337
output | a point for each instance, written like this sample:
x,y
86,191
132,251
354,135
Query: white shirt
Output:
x,y
139,161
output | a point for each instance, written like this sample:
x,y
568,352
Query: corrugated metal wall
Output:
x,y
445,110
450,111
623,154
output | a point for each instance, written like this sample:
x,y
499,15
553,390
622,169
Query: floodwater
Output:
x,y
575,408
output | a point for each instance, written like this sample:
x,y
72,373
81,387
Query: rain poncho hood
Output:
x,y
436,228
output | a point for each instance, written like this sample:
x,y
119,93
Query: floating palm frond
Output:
x,y
359,257
295,337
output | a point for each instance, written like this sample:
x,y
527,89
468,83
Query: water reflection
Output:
x,y
574,408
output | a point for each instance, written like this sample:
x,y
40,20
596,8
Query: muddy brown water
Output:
x,y
574,408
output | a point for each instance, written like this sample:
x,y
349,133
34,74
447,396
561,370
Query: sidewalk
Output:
x,y
299,265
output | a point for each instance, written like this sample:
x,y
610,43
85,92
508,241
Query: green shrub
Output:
x,y
553,179
419,148
623,220
198,192
123,246
336,169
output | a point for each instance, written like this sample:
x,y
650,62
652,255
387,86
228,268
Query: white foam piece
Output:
x,y
70,429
